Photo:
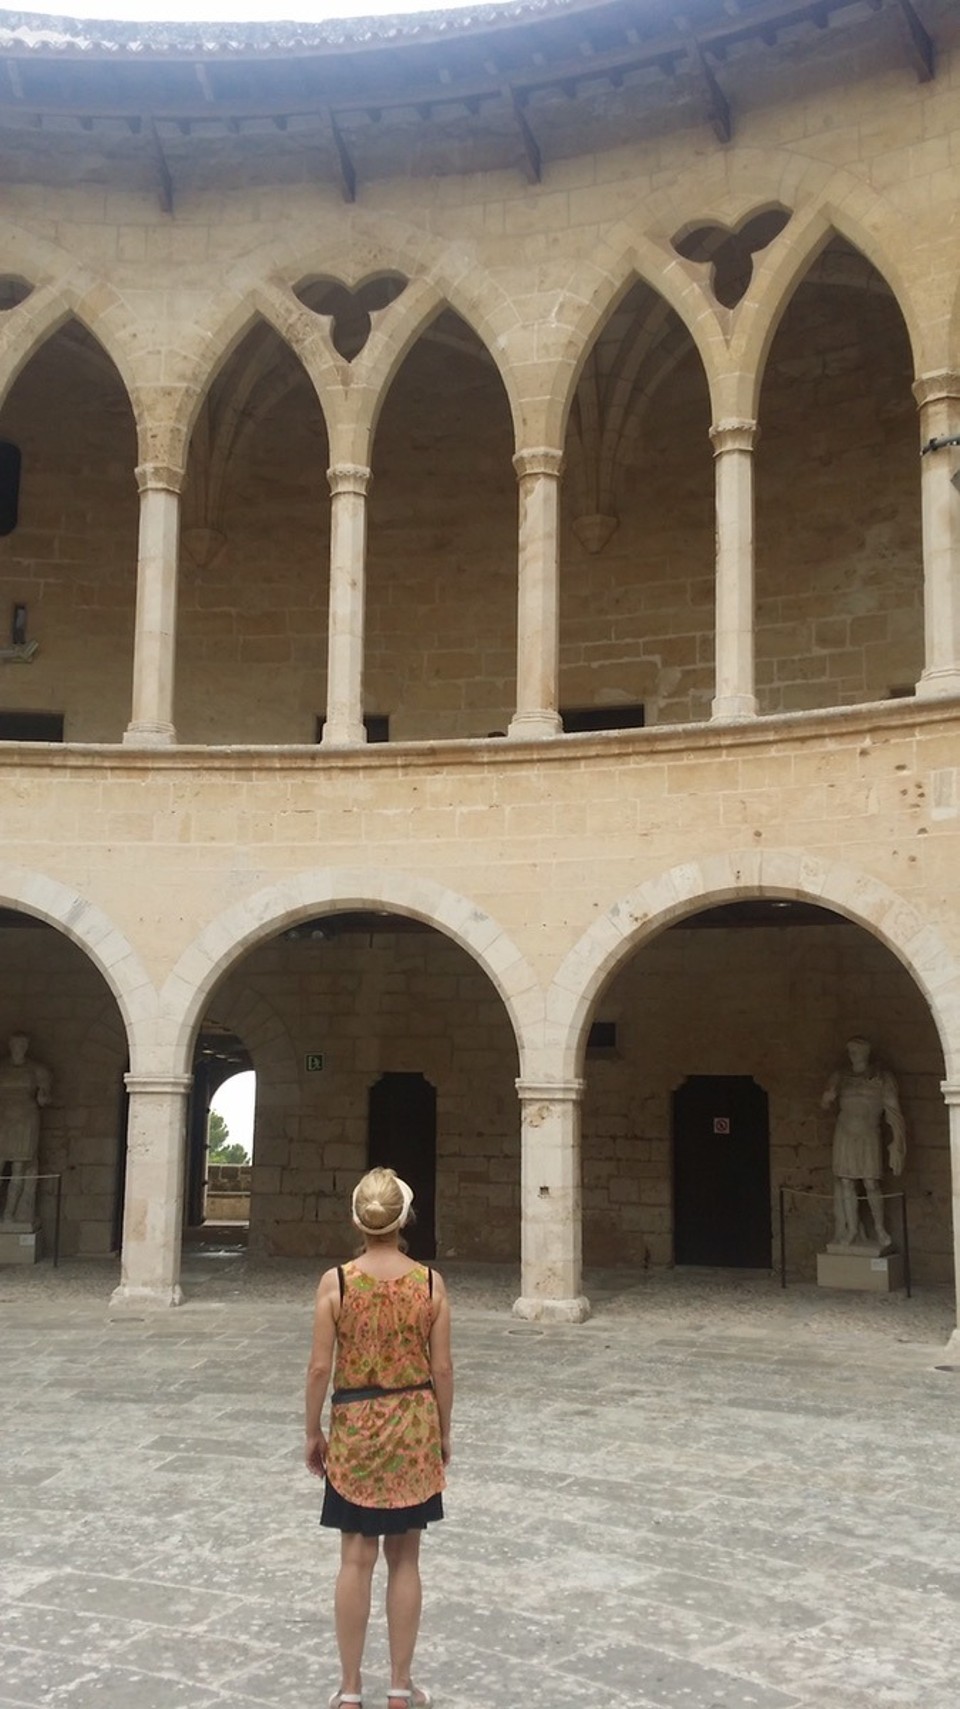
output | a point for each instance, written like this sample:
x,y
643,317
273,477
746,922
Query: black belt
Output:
x,y
340,1395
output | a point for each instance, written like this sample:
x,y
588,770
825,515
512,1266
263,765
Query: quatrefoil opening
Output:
x,y
349,311
729,252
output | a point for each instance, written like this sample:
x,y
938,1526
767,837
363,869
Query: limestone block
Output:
x,y
20,1246
859,1271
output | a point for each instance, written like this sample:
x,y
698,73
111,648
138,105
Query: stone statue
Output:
x,y
865,1094
25,1088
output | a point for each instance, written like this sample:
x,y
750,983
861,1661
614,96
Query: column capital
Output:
x,y
550,1091
538,460
942,387
177,1085
951,1091
349,478
158,477
733,436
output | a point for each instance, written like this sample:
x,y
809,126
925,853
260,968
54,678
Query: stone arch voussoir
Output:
x,y
210,349
866,222
222,943
589,299
90,929
789,875
80,297
368,245
393,337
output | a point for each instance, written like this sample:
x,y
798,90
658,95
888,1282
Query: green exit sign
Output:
x,y
313,1062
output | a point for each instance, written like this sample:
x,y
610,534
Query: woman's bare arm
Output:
x,y
441,1362
319,1370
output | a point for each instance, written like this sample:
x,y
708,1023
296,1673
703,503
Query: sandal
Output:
x,y
344,1697
412,1694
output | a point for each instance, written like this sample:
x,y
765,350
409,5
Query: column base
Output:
x,y
729,708
343,736
149,736
933,684
533,726
952,1348
535,1310
127,1298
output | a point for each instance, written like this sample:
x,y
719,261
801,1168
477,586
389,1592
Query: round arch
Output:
x,y
93,932
788,875
190,985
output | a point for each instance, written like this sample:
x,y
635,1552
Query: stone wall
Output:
x,y
73,557
227,1196
777,1005
50,990
839,584
404,1003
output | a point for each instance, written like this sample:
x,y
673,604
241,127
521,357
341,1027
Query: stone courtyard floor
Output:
x,y
713,1495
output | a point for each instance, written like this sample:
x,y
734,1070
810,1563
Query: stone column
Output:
x,y
349,483
951,1094
733,443
155,634
551,1237
938,396
538,593
153,1199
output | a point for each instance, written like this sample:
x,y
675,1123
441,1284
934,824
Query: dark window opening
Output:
x,y
585,718
602,1038
376,724
31,726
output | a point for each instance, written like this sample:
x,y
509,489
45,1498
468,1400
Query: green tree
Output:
x,y
220,1147
217,1131
232,1153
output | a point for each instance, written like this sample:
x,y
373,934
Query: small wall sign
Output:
x,y
721,1124
313,1062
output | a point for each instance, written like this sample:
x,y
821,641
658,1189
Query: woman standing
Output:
x,y
388,1320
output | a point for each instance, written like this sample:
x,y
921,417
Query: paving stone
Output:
x,y
658,1505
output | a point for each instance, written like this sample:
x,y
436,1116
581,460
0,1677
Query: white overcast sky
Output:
x,y
233,11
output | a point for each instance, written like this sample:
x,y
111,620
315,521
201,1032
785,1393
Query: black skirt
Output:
x,y
342,1515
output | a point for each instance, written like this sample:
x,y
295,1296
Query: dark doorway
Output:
x,y
218,1056
402,1135
721,1172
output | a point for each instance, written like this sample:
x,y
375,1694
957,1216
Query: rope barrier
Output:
x,y
810,1193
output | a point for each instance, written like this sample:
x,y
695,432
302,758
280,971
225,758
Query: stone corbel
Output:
x,y
595,532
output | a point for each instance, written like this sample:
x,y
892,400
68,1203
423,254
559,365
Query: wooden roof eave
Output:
x,y
666,51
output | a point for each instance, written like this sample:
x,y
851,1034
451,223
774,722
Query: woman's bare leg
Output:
x,y
403,1606
351,1603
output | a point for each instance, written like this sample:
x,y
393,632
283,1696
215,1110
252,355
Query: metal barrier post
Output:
x,y
56,1223
907,1276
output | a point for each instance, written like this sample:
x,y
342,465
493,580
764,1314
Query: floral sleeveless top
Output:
x,y
385,1451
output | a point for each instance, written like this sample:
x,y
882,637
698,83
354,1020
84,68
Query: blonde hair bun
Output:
x,y
381,1202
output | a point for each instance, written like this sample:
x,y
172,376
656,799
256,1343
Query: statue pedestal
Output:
x,y
864,1271
19,1243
